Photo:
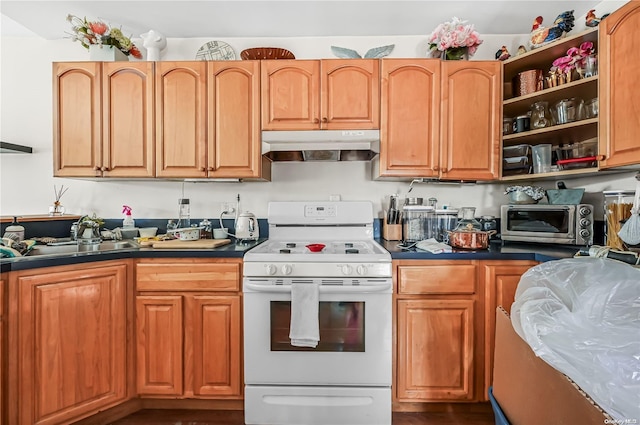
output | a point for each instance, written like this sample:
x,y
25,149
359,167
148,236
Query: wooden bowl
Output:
x,y
259,53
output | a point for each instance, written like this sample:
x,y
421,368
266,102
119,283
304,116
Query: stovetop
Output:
x,y
330,247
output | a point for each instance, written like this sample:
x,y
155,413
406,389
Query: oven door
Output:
x,y
537,223
355,334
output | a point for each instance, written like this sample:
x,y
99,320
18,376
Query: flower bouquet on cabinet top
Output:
x,y
98,33
454,40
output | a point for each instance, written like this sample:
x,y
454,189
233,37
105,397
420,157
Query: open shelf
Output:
x,y
556,135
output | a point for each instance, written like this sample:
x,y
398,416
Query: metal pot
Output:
x,y
470,238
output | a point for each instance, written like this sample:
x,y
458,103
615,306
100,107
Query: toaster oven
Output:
x,y
557,224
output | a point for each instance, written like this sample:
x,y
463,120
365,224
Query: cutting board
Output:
x,y
199,244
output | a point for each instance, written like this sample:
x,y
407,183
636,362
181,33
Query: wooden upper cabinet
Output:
x,y
619,87
471,120
103,119
181,126
128,143
77,119
320,94
233,142
350,94
410,114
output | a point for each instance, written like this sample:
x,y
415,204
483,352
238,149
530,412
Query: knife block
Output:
x,y
391,232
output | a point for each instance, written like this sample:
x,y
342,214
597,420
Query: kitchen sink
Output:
x,y
73,248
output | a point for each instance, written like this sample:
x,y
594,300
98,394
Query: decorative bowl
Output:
x,y
316,247
258,53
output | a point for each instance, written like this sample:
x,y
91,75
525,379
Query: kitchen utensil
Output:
x,y
540,115
187,233
470,238
541,158
630,231
564,196
198,244
315,247
247,227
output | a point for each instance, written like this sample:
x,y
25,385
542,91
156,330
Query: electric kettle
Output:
x,y
247,227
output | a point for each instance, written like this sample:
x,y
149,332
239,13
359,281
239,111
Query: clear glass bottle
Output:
x,y
184,213
540,115
467,219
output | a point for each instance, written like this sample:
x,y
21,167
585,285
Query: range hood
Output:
x,y
321,145
11,148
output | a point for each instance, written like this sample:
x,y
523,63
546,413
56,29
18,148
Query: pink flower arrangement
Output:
x,y
454,35
575,58
97,32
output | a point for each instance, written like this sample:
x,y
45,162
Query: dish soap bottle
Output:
x,y
128,222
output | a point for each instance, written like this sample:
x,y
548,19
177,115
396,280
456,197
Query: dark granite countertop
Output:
x,y
232,250
497,251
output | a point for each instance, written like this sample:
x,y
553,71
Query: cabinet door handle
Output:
x,y
436,168
210,169
444,171
105,168
96,168
316,121
203,169
325,119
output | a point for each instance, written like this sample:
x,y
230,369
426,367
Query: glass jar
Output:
x,y
489,223
617,209
446,220
417,223
540,115
467,219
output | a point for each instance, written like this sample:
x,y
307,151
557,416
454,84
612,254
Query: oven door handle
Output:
x,y
335,289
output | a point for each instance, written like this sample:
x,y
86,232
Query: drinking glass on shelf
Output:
x,y
591,66
540,115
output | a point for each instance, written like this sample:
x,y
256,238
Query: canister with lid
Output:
x,y
446,220
417,223
617,209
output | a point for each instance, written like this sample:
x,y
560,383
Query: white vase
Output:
x,y
101,53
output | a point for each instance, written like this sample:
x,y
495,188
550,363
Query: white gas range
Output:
x,y
346,378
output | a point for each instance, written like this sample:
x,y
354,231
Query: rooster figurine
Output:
x,y
592,20
503,54
561,25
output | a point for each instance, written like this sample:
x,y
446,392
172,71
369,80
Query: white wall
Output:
x,y
26,182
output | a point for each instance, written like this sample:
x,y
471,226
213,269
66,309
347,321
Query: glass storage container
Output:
x,y
540,115
446,220
418,223
617,209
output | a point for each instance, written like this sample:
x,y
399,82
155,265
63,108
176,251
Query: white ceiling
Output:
x,y
293,18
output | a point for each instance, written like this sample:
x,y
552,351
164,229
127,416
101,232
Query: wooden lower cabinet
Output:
x,y
445,327
499,280
188,321
437,323
3,347
71,330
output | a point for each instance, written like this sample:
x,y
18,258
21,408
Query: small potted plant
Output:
x,y
454,40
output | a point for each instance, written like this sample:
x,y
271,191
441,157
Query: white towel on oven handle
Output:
x,y
304,330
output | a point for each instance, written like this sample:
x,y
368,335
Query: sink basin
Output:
x,y
104,246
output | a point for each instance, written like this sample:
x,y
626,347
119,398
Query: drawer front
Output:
x,y
188,276
449,278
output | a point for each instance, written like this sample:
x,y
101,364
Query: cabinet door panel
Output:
x,y
128,133
77,116
435,350
471,93
290,94
500,282
619,86
159,345
410,117
181,94
234,145
72,343
215,337
350,94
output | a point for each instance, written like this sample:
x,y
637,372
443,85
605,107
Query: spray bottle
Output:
x,y
128,222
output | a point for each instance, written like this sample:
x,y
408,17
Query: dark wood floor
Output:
x,y
207,417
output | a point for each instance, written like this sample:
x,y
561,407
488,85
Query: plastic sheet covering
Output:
x,y
582,316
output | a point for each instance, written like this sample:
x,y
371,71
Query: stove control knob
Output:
x,y
286,269
271,269
347,269
361,270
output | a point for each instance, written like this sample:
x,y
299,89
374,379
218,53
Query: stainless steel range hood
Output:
x,y
321,145
12,148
